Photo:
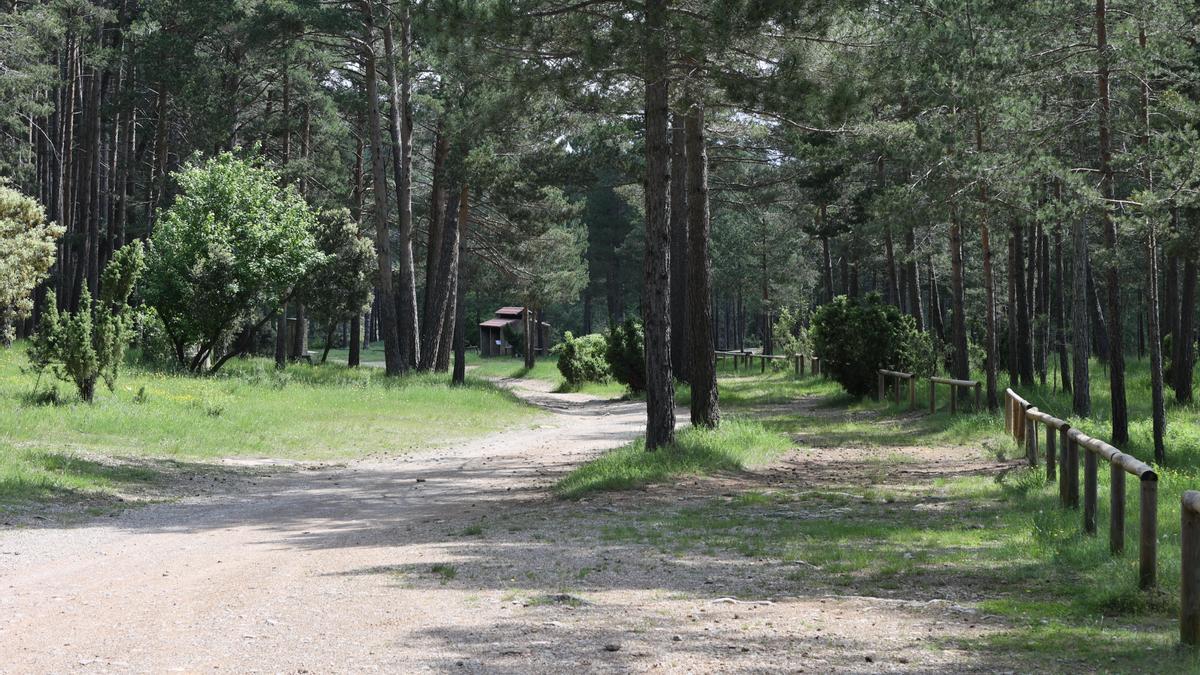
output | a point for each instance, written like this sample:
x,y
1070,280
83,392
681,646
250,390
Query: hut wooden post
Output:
x,y
1116,511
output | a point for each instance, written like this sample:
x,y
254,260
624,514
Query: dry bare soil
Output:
x,y
462,561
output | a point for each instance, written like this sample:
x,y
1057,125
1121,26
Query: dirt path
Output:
x,y
457,561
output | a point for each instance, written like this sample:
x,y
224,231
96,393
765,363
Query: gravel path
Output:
x,y
450,561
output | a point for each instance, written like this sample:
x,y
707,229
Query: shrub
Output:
x,y
626,355
582,359
855,337
89,344
790,337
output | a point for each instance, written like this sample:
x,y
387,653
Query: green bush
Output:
x,y
582,359
88,345
855,337
626,355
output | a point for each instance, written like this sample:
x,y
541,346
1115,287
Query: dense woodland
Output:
x,y
1018,177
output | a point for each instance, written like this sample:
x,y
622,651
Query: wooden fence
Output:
x,y
954,385
1189,586
1062,445
896,378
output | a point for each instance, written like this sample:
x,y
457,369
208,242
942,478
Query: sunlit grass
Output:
x,y
732,447
248,410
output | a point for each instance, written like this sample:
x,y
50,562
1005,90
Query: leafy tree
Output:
x,y
232,247
340,286
857,336
88,344
26,254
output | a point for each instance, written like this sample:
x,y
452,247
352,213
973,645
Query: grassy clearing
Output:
x,y
249,410
734,446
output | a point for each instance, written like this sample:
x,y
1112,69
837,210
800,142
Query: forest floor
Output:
x,y
837,556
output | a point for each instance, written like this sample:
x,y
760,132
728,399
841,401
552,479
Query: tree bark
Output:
x,y
680,243
705,410
826,261
1081,401
1058,309
1186,361
961,364
911,271
440,297
1116,340
355,345
393,361
437,215
656,310
400,128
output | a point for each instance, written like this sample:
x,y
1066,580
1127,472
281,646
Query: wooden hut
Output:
x,y
492,340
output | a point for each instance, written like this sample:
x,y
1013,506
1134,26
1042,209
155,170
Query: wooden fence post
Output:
x,y
1089,490
1071,468
797,358
762,360
1031,449
932,397
912,391
1189,587
897,381
1116,511
880,398
1007,413
1051,455
1148,534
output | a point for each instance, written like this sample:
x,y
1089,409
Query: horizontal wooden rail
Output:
x,y
1020,415
898,376
953,384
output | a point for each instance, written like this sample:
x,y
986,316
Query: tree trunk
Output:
x,y
1116,340
394,364
656,305
281,341
437,216
446,345
1186,361
459,376
914,286
355,341
440,296
1058,309
1080,317
1157,399
826,260
961,364
704,400
936,320
680,216
400,127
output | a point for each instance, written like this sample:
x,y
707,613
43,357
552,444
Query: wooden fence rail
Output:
x,y
897,377
1062,446
954,385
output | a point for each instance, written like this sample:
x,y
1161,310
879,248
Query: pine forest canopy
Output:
x,y
1020,178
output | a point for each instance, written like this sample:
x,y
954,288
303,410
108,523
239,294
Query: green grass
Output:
x,y
734,446
48,450
544,369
